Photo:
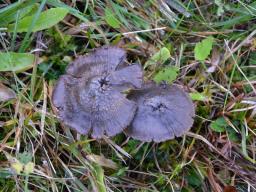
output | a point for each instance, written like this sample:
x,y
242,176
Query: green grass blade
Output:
x,y
25,41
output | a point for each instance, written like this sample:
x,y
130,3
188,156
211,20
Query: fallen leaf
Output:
x,y
6,93
230,188
102,161
1,123
213,182
215,61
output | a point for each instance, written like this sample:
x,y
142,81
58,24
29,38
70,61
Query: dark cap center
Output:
x,y
156,104
158,107
103,83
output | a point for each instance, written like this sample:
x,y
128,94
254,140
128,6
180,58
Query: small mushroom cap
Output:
x,y
102,60
164,112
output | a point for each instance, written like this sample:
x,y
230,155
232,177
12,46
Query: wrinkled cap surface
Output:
x,y
164,112
100,61
90,98
107,62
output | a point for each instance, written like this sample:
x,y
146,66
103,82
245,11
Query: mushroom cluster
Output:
x,y
101,94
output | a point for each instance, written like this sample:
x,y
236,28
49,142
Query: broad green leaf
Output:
x,y
16,61
168,74
196,96
71,10
46,20
160,57
203,49
29,10
219,125
111,19
11,10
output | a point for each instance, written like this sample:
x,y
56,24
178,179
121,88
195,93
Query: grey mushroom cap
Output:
x,y
95,103
92,106
108,62
102,60
128,77
164,112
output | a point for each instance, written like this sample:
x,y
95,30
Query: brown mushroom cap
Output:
x,y
89,97
164,112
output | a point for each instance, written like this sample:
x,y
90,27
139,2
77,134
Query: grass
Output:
x,y
38,153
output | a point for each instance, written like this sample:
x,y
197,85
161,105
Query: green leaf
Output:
x,y
168,74
16,61
232,134
160,57
11,10
111,19
99,176
193,178
203,48
196,96
46,20
219,125
17,166
25,157
23,12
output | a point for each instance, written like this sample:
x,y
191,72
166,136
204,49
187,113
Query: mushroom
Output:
x,y
164,112
90,97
